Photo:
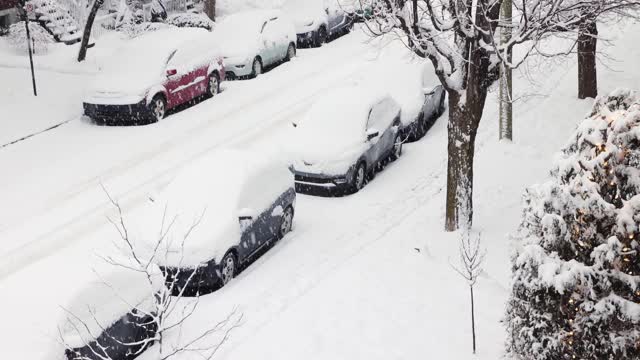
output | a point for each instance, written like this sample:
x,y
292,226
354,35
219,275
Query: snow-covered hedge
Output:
x,y
133,30
190,20
576,274
40,38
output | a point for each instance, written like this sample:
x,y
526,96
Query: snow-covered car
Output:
x,y
154,73
432,107
111,316
223,208
343,138
359,10
318,20
252,40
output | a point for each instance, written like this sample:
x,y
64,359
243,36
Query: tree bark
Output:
x,y
87,30
587,74
464,118
210,9
506,82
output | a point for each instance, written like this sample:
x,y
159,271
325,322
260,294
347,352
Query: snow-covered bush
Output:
x,y
576,274
40,38
191,20
133,30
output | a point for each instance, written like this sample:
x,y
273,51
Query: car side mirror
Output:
x,y
326,10
372,134
171,72
245,217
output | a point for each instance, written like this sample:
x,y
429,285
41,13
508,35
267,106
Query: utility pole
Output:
x,y
24,10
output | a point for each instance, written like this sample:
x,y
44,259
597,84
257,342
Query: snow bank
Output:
x,y
201,206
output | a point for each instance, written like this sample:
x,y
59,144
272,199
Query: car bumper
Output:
x,y
118,112
191,282
236,69
311,183
306,38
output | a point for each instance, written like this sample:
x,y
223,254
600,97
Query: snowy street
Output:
x,y
364,276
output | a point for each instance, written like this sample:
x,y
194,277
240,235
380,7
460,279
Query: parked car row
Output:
x,y
229,206
160,71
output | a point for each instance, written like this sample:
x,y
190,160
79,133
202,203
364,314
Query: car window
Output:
x,y
382,114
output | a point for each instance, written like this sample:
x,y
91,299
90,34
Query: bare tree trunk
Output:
x,y
587,74
506,83
210,9
462,129
87,30
473,321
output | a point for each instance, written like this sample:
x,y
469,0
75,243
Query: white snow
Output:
x,y
364,276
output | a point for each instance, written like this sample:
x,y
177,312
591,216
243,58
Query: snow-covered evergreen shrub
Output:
x,y
576,274
132,29
40,38
189,19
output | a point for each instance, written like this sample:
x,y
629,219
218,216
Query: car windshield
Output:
x,y
239,28
303,7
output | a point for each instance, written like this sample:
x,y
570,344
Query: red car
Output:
x,y
155,73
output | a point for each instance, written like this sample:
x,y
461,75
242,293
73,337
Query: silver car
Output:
x,y
343,140
253,40
316,21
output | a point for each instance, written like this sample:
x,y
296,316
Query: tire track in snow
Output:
x,y
81,225
415,196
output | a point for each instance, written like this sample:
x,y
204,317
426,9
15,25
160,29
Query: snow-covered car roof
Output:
x,y
333,131
204,201
238,34
99,303
140,63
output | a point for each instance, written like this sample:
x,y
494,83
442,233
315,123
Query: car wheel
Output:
x,y
228,268
396,151
286,223
321,36
158,108
359,177
291,52
256,68
213,87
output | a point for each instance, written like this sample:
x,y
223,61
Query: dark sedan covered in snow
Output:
x,y
344,138
432,107
111,317
153,74
224,208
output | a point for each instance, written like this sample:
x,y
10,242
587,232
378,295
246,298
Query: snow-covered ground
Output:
x,y
363,276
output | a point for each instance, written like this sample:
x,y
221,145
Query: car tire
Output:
x,y
396,150
359,177
213,85
158,108
291,52
228,268
321,36
256,67
286,223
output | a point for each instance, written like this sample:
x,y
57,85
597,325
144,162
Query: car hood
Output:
x,y
329,160
112,84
